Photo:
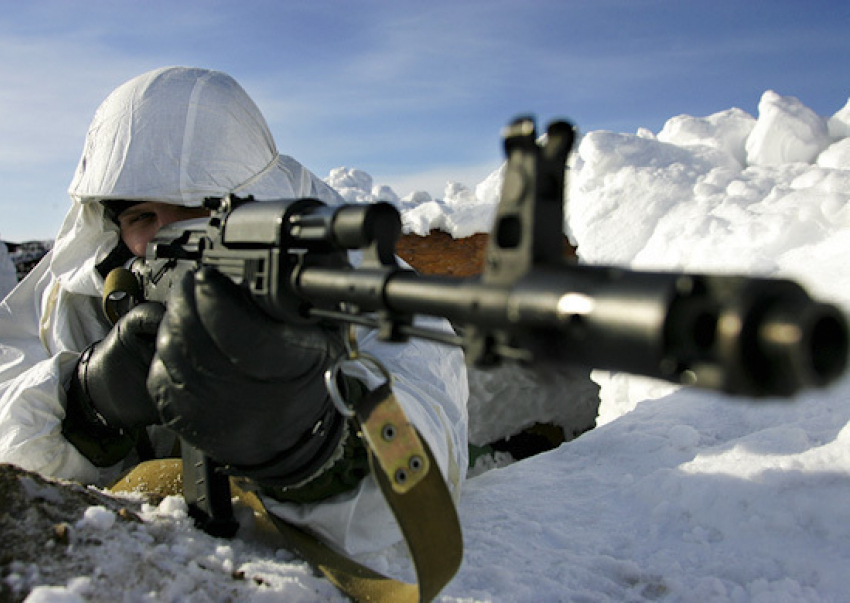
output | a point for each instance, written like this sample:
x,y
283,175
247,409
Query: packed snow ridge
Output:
x,y
699,156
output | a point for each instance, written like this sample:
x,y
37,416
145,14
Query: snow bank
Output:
x,y
652,204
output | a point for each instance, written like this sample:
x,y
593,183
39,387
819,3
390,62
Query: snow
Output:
x,y
726,130
96,518
786,131
678,494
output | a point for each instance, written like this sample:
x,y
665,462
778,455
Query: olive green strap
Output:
x,y
410,480
427,517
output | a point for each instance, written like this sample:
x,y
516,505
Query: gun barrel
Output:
x,y
740,335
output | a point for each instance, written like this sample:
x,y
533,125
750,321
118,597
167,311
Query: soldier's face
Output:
x,y
141,222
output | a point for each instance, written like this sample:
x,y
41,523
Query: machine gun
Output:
x,y
745,336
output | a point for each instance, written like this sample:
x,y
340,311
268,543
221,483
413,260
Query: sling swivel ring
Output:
x,y
352,354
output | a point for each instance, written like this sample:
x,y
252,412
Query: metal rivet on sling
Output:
x,y
389,432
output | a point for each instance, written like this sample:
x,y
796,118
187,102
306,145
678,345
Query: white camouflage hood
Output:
x,y
174,135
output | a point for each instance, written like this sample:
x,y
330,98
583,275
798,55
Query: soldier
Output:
x,y
83,401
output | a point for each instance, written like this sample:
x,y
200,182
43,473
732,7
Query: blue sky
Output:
x,y
413,93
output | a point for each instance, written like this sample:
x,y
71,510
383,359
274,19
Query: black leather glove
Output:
x,y
109,385
246,390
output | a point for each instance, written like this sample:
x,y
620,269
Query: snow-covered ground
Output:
x,y
678,495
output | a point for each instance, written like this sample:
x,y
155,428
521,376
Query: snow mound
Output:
x,y
786,131
727,130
